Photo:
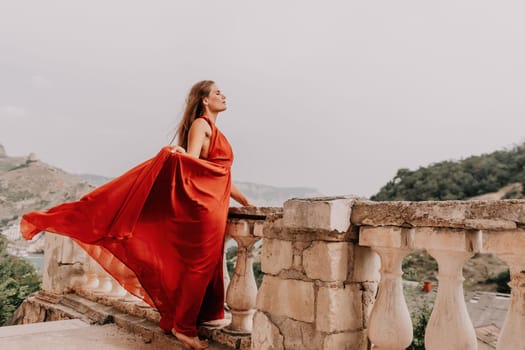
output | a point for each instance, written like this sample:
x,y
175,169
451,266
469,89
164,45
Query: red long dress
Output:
x,y
158,230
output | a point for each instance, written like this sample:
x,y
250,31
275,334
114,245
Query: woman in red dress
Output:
x,y
159,228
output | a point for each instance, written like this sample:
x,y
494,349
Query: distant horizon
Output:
x,y
271,185
112,177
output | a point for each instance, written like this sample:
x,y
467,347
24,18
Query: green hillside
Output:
x,y
18,279
463,179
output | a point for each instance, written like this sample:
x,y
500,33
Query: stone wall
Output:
x,y
319,285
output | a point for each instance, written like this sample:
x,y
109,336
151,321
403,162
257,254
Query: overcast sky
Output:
x,y
335,95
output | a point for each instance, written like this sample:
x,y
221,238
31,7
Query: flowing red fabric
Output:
x,y
158,230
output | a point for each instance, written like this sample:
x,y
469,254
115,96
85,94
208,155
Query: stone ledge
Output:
x,y
323,213
73,306
428,238
493,215
255,213
136,308
277,231
223,337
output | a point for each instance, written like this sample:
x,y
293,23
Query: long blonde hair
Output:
x,y
193,110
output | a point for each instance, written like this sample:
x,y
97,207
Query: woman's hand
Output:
x,y
177,149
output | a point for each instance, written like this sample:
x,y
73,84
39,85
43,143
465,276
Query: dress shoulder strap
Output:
x,y
212,125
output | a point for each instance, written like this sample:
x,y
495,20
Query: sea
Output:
x,y
37,260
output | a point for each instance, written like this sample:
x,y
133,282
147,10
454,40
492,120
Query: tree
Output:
x,y
420,321
449,180
18,279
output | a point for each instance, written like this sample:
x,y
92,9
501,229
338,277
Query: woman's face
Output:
x,y
215,101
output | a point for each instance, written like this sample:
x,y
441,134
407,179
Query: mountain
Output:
x,y
28,184
270,196
95,180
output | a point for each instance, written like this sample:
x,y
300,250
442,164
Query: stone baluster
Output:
x,y
515,320
242,290
98,273
225,265
510,246
105,284
134,294
92,280
390,326
98,280
449,326
118,290
93,272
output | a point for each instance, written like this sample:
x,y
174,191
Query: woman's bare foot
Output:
x,y
190,343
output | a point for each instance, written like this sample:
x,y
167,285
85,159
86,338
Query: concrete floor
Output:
x,y
70,335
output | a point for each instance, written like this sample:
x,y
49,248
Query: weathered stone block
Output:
x,y
308,235
290,298
504,242
339,309
297,263
387,236
276,255
369,291
433,238
300,246
331,213
454,214
366,265
299,335
258,228
346,341
326,261
265,335
237,227
440,238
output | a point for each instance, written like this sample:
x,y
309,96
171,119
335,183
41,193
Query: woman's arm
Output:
x,y
237,195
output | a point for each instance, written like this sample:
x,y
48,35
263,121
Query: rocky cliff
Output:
x,y
27,184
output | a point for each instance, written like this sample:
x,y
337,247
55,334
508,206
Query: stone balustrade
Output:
x,y
451,232
332,272
245,227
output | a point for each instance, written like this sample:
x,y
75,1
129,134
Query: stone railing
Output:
x,y
320,277
332,273
451,232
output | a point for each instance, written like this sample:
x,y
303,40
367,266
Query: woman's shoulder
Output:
x,y
201,124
